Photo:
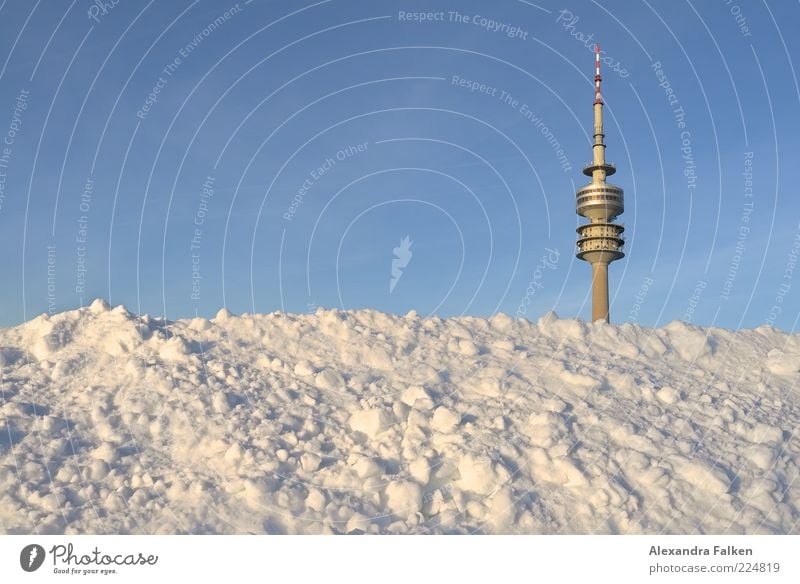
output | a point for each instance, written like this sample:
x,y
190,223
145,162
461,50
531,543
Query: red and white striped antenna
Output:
x,y
597,96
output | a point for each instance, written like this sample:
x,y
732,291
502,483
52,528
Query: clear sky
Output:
x,y
181,156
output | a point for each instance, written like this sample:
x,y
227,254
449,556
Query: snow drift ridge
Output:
x,y
359,421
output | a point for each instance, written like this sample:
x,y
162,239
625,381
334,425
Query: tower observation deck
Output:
x,y
599,241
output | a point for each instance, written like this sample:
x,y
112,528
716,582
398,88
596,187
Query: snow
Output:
x,y
371,422
444,420
403,498
780,363
668,395
363,422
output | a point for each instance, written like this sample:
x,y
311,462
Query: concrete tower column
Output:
x,y
600,291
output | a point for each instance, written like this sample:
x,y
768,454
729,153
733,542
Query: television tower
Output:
x,y
599,241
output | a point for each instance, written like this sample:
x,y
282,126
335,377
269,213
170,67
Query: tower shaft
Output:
x,y
600,291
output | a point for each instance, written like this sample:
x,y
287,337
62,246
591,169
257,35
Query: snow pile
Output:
x,y
363,422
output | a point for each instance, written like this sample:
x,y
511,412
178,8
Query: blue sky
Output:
x,y
177,157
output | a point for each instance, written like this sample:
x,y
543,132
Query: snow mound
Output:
x,y
781,363
364,422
